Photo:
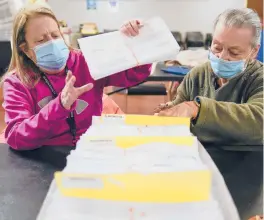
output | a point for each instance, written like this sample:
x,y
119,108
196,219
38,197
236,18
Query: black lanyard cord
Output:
x,y
48,83
70,120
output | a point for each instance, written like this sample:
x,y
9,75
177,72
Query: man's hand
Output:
x,y
69,93
185,109
162,107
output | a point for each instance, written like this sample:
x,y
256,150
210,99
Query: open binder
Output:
x,y
110,53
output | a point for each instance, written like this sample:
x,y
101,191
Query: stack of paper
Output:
x,y
121,172
110,53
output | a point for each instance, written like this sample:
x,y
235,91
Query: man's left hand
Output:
x,y
185,109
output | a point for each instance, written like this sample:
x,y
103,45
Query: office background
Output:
x,y
180,15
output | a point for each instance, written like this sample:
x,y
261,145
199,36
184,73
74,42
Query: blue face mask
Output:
x,y
52,55
226,69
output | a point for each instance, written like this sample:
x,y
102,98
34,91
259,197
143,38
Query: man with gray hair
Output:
x,y
224,97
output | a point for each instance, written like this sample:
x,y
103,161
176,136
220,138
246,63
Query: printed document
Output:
x,y
110,53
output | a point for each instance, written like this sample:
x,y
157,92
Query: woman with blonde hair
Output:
x,y
49,94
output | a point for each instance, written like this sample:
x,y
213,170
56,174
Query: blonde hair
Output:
x,y
20,64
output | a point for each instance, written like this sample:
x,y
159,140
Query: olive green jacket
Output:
x,y
232,114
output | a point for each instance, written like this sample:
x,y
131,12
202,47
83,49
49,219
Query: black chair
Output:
x,y
194,39
5,56
178,37
208,40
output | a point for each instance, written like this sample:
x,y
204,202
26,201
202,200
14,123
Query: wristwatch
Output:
x,y
197,101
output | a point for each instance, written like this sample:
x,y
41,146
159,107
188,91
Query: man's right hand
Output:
x,y
69,93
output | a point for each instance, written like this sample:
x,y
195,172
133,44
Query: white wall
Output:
x,y
180,15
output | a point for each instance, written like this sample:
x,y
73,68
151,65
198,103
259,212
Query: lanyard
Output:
x,y
70,119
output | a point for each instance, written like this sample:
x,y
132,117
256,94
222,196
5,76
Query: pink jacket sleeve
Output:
x,y
129,77
26,130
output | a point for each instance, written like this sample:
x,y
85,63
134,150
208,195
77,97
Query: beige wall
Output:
x,y
179,15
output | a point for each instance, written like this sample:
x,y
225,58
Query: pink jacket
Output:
x,y
34,119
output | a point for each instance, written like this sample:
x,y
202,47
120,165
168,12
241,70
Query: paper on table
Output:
x,y
136,187
134,154
138,125
124,130
74,208
110,53
165,161
149,120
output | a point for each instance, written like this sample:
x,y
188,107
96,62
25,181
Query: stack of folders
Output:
x,y
134,168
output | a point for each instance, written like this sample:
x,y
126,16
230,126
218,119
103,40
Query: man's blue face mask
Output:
x,y
52,55
226,69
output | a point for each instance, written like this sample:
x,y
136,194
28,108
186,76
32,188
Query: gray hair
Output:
x,y
240,18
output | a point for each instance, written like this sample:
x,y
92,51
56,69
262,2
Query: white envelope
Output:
x,y
110,53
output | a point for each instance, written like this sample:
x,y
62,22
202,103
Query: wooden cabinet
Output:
x,y
256,5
